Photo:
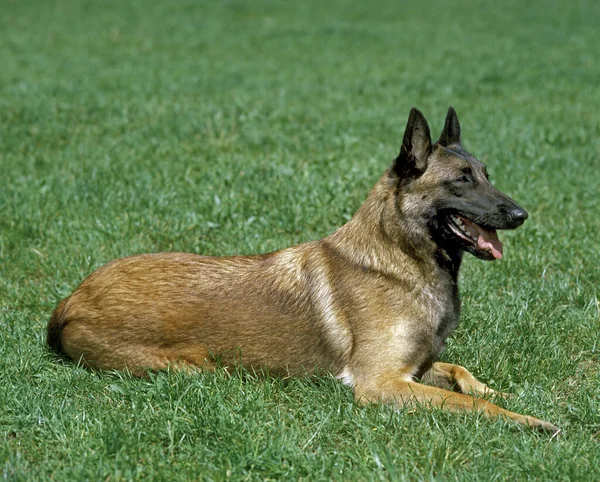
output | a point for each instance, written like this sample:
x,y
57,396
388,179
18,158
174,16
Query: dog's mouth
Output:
x,y
481,241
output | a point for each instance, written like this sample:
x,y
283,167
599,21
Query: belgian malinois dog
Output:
x,y
372,303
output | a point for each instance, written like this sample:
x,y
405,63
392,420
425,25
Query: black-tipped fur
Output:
x,y
416,147
55,327
451,131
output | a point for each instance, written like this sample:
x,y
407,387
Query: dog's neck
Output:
x,y
449,261
382,238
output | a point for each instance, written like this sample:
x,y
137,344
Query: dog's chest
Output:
x,y
423,321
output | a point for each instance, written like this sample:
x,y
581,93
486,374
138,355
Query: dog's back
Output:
x,y
150,311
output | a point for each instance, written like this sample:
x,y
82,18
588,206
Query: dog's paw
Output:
x,y
546,427
504,395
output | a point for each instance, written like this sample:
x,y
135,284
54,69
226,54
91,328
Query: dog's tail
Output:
x,y
55,327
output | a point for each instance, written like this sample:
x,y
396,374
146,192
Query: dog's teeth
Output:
x,y
461,225
457,220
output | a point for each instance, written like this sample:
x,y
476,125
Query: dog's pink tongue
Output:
x,y
488,240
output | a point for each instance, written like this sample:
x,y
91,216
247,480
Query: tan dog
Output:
x,y
373,302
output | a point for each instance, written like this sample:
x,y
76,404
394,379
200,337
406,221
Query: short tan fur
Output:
x,y
372,303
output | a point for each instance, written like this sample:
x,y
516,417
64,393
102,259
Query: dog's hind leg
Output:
x,y
105,351
411,394
457,378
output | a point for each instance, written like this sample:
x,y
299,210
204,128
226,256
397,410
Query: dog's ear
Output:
x,y
451,131
416,147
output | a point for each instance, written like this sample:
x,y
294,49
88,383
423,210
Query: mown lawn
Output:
x,y
240,127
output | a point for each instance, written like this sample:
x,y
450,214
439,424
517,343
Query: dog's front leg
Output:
x,y
404,393
456,378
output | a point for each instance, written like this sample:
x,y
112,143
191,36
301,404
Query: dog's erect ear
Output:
x,y
451,132
416,147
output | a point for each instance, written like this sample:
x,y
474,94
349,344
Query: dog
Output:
x,y
372,303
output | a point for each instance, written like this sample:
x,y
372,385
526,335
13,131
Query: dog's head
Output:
x,y
449,192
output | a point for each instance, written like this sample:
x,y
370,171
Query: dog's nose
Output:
x,y
519,215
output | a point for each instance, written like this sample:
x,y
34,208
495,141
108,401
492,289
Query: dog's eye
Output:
x,y
463,179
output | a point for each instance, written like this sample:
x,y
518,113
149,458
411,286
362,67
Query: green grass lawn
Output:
x,y
241,127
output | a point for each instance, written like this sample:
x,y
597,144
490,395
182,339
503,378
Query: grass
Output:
x,y
235,127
